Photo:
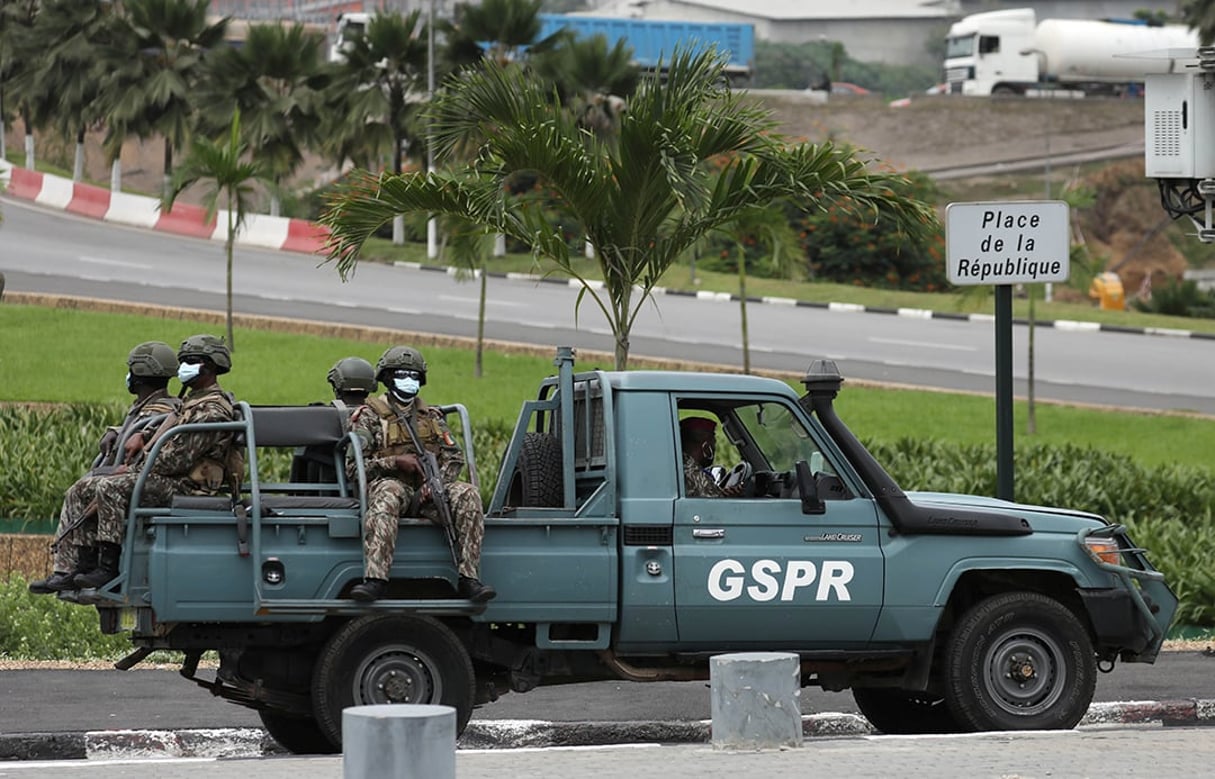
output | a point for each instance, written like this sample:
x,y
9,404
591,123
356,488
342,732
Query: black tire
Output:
x,y
1019,661
406,658
904,711
537,481
1003,90
297,735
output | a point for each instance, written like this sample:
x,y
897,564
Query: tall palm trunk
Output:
x,y
168,167
29,138
78,163
480,324
228,247
742,308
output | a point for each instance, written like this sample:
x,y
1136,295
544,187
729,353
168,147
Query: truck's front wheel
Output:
x,y
391,659
1020,661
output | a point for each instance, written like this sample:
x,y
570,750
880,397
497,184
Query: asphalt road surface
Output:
x,y
40,701
47,251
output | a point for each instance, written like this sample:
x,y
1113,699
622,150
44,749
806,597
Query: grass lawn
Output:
x,y
63,355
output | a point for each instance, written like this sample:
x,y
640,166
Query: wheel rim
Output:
x,y
397,674
1025,672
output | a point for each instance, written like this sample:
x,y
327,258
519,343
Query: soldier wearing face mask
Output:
x,y
194,463
394,486
150,365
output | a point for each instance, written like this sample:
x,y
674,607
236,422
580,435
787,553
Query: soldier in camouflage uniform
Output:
x,y
190,463
697,436
394,486
149,368
352,379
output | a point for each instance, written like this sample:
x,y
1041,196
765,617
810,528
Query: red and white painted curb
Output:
x,y
513,734
267,232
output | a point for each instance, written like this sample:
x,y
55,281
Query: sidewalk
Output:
x,y
499,735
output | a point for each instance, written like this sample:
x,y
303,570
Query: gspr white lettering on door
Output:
x,y
766,579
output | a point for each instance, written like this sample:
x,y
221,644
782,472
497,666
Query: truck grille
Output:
x,y
648,535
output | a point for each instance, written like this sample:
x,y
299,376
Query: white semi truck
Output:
x,y
1011,53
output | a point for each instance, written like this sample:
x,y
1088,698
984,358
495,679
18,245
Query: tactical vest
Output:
x,y
396,438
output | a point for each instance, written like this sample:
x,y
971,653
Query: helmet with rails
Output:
x,y
209,347
352,374
152,360
402,357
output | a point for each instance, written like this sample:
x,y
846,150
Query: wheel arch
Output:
x,y
966,587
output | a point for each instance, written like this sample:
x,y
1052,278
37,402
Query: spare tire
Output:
x,y
537,481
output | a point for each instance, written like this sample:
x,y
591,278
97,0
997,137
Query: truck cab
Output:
x,y
992,53
941,612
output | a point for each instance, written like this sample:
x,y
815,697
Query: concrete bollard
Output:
x,y
755,700
400,740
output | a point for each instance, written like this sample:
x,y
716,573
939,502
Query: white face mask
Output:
x,y
405,388
187,373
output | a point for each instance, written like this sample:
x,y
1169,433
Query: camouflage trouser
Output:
x,y
389,499
75,500
114,499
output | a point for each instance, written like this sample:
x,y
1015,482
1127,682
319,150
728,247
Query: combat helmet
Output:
x,y
152,360
210,347
352,374
405,357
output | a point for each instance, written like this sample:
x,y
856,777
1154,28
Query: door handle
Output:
x,y
707,532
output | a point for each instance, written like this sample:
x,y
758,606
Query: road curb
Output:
x,y
1069,325
514,734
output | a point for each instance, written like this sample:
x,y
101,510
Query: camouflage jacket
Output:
x,y
379,430
698,483
181,454
156,404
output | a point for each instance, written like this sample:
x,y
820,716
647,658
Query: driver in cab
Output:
x,y
697,436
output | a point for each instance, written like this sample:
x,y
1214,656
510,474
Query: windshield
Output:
x,y
960,47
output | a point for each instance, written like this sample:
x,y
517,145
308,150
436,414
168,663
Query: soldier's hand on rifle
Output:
x,y
408,463
132,447
424,493
107,441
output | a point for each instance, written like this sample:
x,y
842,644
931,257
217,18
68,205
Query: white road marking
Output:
x,y
114,263
924,344
488,302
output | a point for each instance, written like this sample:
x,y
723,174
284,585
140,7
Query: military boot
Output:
x,y
475,590
106,569
369,590
56,582
86,560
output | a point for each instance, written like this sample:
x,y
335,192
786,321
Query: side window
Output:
x,y
989,44
781,438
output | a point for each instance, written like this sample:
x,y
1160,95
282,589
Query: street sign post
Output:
x,y
1002,244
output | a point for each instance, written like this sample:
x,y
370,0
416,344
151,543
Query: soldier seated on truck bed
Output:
x,y
189,463
150,365
386,426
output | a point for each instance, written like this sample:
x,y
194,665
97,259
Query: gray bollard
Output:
x,y
755,700
399,740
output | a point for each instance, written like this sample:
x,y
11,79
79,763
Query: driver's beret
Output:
x,y
697,425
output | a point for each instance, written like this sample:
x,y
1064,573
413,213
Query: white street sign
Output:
x,y
1016,242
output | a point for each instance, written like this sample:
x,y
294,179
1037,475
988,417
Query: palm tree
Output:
x,y
152,89
642,200
375,91
509,27
276,81
220,165
76,37
1200,15
768,227
468,244
17,60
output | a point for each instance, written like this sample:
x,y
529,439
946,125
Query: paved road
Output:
x,y
64,254
1118,752
64,701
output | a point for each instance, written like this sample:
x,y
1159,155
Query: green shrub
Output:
x,y
1179,298
40,627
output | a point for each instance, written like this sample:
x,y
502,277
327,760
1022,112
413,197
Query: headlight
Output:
x,y
1104,550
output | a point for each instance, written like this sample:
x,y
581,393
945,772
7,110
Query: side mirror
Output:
x,y
807,490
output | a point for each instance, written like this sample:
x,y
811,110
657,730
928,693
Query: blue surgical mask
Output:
x,y
187,373
405,388
130,384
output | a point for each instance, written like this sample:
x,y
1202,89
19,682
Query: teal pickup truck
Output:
x,y
940,612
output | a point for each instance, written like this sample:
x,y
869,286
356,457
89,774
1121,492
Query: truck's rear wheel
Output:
x,y
1019,661
391,659
537,480
904,711
297,735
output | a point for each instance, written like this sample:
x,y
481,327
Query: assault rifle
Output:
x,y
432,480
